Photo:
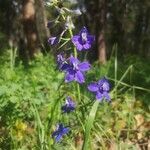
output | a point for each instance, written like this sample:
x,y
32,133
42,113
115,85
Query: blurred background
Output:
x,y
126,23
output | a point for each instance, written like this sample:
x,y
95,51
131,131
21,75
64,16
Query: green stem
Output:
x,y
11,58
74,49
79,93
76,55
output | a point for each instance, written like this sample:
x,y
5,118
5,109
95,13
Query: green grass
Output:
x,y
31,99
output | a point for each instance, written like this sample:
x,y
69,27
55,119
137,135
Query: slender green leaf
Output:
x,y
89,125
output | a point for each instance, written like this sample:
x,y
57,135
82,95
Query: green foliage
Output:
x,y
31,99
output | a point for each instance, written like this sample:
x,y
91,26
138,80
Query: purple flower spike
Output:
x,y
69,105
101,89
60,131
53,40
75,70
83,40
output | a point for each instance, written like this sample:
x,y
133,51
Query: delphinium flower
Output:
x,y
53,40
69,105
60,132
62,62
83,40
101,89
75,70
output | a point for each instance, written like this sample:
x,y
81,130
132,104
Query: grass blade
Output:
x,y
89,125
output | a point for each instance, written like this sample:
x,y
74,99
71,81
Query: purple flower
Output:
x,y
75,70
101,89
83,40
69,105
53,40
62,62
60,131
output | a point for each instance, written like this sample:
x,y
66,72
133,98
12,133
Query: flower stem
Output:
x,y
78,90
74,49
76,55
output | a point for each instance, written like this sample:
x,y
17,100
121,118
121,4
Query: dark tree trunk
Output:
x,y
147,31
101,23
41,22
97,11
29,26
101,47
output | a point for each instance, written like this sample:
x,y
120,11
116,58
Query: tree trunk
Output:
x,y
29,26
97,18
41,21
101,25
101,48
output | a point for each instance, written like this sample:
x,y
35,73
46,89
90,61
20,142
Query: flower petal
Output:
x,y
53,40
76,41
85,66
93,87
87,46
54,133
69,77
91,39
69,105
70,102
65,130
79,47
58,137
60,131
104,84
79,77
99,96
107,96
74,60
84,30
